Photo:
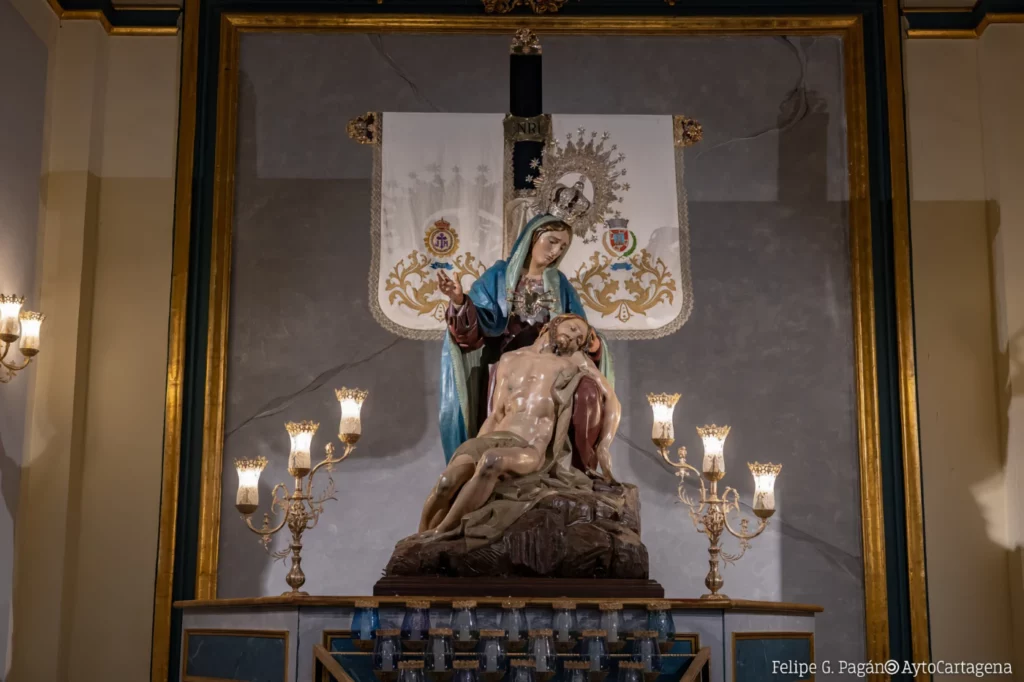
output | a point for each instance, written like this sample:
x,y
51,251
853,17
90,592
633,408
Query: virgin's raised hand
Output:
x,y
451,288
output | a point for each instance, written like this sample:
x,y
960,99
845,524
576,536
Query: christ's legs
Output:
x,y
458,471
493,464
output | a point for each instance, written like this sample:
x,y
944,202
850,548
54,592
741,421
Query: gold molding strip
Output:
x,y
164,588
917,583
98,15
739,605
962,33
862,274
220,302
660,25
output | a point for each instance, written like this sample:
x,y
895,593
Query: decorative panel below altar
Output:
x,y
273,639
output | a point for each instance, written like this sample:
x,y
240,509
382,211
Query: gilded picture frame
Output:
x,y
894,305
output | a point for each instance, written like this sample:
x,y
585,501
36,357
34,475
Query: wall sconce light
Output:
x,y
19,327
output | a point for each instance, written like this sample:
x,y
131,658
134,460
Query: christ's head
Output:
x,y
568,334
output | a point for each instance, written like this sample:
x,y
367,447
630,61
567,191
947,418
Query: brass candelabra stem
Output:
x,y
710,515
300,508
9,369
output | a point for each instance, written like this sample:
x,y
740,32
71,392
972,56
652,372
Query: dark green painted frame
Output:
x,y
886,331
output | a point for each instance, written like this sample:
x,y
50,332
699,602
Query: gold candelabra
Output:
x,y
710,514
17,326
301,510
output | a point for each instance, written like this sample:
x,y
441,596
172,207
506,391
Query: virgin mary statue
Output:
x,y
504,310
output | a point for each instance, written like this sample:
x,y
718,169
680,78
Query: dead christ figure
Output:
x,y
516,438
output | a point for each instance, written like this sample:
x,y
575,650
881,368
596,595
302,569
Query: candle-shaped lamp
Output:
x,y
714,450
30,326
10,313
301,434
249,470
351,400
764,487
663,405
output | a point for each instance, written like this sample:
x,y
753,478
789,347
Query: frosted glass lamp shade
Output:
x,y
663,405
764,487
31,323
248,498
351,402
301,434
10,314
714,450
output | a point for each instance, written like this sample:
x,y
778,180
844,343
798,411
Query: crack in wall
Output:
x,y
277,405
799,91
377,41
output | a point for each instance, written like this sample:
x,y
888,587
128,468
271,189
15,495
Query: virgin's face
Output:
x,y
549,247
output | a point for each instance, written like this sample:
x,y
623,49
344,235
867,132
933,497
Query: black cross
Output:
x,y
526,101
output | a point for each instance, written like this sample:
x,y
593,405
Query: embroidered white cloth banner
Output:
x,y
437,205
634,281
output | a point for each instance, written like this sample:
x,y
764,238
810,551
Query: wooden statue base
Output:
x,y
575,588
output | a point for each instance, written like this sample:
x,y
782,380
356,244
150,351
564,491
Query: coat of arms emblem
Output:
x,y
619,240
441,240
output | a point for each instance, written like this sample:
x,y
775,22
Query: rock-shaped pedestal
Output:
x,y
574,535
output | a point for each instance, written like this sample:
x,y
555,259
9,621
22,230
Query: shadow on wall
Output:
x,y
10,478
285,359
1005,487
963,374
992,490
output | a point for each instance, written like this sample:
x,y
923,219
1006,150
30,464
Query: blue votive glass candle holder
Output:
x,y
466,670
611,620
542,650
464,621
564,622
416,624
659,617
439,652
366,620
387,650
594,650
630,671
522,670
513,621
411,671
645,650
575,671
492,651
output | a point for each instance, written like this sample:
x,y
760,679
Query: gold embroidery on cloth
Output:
x,y
648,283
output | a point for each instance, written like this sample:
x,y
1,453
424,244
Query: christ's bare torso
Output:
x,y
516,436
524,401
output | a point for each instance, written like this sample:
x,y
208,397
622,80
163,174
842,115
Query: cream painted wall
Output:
x,y
23,61
1000,55
90,495
965,103
123,447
